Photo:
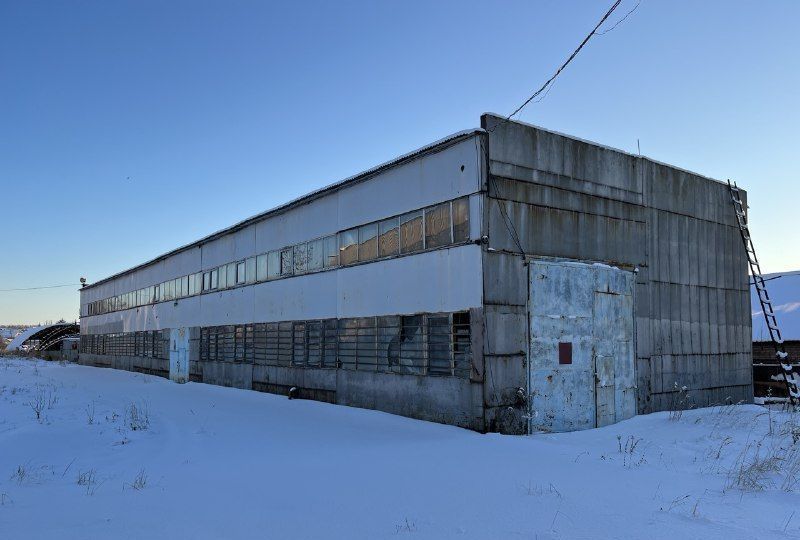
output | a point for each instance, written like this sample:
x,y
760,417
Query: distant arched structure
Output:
x,y
43,338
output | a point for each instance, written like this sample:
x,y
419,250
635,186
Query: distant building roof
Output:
x,y
47,334
784,291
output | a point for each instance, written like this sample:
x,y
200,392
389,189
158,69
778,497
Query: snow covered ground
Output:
x,y
199,461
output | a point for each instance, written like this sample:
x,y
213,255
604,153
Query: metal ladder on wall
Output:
x,y
791,372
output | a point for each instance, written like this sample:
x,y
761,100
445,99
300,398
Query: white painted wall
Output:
x,y
436,281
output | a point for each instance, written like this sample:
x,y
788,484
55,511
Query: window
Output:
x,y
300,258
231,270
192,289
261,267
461,220
222,278
240,273
368,242
286,262
274,269
388,237
437,226
331,252
411,232
214,279
315,255
348,246
206,281
250,270
184,281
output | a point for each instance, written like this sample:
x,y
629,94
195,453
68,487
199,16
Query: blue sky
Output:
x,y
129,128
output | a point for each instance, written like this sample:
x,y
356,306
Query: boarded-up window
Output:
x,y
389,237
437,226
461,220
368,242
348,247
411,232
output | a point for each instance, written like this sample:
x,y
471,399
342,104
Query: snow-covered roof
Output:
x,y
784,291
22,337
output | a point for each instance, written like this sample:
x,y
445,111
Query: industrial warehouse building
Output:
x,y
506,278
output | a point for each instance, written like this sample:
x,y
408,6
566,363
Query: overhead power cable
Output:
x,y
571,57
43,287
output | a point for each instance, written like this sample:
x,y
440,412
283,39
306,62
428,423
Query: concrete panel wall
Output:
x,y
571,199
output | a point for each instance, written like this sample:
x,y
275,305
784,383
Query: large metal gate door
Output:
x,y
580,358
178,355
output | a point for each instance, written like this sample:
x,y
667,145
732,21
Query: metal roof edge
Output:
x,y
606,147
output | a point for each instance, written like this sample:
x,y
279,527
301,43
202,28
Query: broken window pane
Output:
x,y
411,232
461,220
315,254
348,246
368,242
389,238
437,226
300,258
286,262
331,252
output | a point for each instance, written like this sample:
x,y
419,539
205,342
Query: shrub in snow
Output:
x,y
137,417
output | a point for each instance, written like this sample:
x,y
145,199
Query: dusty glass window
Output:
x,y
331,252
250,270
274,264
240,273
261,267
300,258
348,246
192,288
231,268
222,277
368,242
411,232
214,278
206,281
388,237
184,281
286,262
315,254
198,282
437,226
461,220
